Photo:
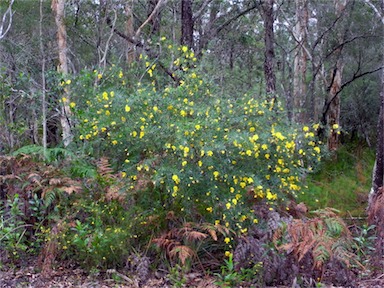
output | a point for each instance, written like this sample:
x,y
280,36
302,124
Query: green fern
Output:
x,y
51,196
52,154
82,169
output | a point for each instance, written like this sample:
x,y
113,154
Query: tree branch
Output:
x,y
150,17
201,10
9,14
145,48
355,77
377,12
229,21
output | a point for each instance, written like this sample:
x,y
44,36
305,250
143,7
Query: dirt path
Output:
x,y
63,278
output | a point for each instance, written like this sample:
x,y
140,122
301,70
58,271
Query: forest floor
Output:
x,y
29,277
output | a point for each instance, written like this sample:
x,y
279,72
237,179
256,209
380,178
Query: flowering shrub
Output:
x,y
205,155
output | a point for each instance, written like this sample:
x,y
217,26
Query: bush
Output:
x,y
183,148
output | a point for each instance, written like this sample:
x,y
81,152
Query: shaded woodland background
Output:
x,y
199,121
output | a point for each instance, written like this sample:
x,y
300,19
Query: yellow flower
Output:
x,y
317,149
176,178
155,108
64,99
68,82
227,240
183,113
271,196
279,136
244,230
99,76
228,205
227,253
209,153
209,209
335,126
114,142
305,128
72,104
127,108
121,74
184,49
264,146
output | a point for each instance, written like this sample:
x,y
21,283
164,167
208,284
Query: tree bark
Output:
x,y
333,115
187,23
58,7
300,61
43,84
130,32
376,196
269,54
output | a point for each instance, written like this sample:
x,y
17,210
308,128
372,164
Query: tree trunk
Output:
x,y
333,115
43,84
300,61
187,23
269,54
130,32
376,196
58,7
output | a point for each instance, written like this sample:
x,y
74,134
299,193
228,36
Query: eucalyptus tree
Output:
x,y
376,199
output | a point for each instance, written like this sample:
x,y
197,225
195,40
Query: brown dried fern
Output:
x,y
321,237
104,168
180,244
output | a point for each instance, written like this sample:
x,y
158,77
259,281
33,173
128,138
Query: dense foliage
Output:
x,y
195,132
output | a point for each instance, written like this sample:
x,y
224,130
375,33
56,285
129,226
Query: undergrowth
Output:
x,y
342,181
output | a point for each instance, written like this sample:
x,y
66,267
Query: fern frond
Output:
x,y
82,169
182,253
52,154
192,236
104,167
49,196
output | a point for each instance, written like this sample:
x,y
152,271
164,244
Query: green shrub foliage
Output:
x,y
183,147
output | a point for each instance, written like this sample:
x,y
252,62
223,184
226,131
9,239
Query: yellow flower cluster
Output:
x,y
205,153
